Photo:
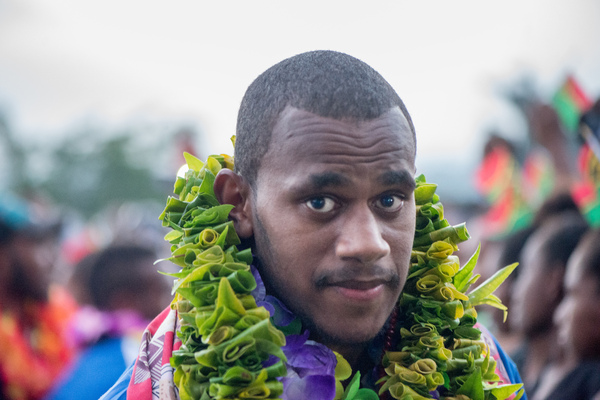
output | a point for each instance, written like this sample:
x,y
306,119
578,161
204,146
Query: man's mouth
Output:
x,y
360,285
360,290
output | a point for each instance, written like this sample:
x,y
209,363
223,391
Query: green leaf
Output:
x,y
503,391
493,303
424,192
193,162
208,183
173,235
365,394
463,275
352,387
473,386
213,164
486,288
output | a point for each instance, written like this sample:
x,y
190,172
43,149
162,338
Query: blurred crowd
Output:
x,y
543,212
74,299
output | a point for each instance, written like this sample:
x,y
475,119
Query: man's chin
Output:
x,y
343,336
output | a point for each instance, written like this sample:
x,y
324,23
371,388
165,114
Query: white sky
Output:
x,y
63,61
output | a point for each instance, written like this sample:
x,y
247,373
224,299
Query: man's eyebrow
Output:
x,y
394,178
328,179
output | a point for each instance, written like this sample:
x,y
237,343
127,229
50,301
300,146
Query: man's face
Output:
x,y
578,316
534,297
30,271
333,217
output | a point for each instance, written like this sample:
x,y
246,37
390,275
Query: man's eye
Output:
x,y
321,204
390,203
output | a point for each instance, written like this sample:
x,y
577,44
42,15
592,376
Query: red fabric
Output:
x,y
152,374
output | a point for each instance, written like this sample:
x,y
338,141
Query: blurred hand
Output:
x,y
546,127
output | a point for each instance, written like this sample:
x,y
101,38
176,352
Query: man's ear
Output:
x,y
231,188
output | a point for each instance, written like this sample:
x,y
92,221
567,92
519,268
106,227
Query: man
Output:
x,y
326,191
538,291
576,373
323,192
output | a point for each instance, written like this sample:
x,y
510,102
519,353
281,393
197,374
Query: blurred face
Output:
x,y
578,315
333,218
536,290
30,272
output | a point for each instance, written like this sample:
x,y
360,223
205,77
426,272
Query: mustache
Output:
x,y
358,273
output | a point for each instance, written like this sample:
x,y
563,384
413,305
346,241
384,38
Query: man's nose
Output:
x,y
560,313
361,237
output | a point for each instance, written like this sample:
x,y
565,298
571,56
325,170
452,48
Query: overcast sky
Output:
x,y
64,61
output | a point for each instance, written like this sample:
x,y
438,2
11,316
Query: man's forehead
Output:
x,y
303,131
291,118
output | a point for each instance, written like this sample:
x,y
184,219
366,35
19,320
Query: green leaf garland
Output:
x,y
440,353
226,338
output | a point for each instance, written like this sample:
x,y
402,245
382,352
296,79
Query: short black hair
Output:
x,y
566,231
327,83
109,271
553,205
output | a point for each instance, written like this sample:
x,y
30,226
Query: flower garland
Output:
x,y
239,343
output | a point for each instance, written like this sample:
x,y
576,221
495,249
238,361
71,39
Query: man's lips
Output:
x,y
359,290
359,284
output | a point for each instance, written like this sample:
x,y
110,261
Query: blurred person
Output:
x,y
587,191
547,131
516,178
538,290
504,251
508,250
33,313
576,374
121,292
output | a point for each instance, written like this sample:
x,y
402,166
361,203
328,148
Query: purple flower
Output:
x,y
281,315
311,368
260,291
307,357
315,387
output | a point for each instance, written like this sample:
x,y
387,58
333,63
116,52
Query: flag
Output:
x,y
570,102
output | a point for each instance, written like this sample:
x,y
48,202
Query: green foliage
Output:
x,y
89,182
89,169
440,346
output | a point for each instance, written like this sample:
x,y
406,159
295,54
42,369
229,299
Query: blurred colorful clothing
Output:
x,y
110,342
31,358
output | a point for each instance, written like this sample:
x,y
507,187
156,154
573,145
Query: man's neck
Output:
x,y
356,354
